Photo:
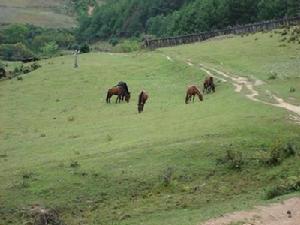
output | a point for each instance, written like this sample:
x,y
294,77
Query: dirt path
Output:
x,y
285,213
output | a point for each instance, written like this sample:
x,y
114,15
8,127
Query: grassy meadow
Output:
x,y
63,147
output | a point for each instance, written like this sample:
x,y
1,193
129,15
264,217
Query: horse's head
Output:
x,y
127,97
201,97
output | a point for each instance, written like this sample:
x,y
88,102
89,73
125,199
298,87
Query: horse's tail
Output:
x,y
141,97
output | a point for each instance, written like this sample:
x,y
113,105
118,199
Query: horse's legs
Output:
x,y
108,98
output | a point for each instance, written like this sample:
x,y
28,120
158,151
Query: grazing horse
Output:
x,y
142,101
208,85
124,86
192,91
120,92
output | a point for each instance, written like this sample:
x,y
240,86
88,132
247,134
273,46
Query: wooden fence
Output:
x,y
237,30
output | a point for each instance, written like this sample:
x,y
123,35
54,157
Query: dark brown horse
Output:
x,y
208,85
192,91
142,101
120,92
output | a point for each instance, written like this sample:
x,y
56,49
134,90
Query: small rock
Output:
x,y
289,213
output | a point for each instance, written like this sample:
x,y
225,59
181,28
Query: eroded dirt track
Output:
x,y
284,213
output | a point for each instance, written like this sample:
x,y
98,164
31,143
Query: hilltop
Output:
x,y
53,14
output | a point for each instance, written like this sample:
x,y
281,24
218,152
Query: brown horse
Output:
x,y
208,85
192,91
142,101
120,92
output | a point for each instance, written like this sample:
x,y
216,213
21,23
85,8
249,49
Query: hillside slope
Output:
x,y
54,13
63,147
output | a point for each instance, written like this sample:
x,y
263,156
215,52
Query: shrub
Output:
x,y
2,66
114,41
15,52
293,38
74,164
233,159
277,153
292,89
26,69
35,66
273,76
129,46
288,186
85,48
167,176
50,48
284,32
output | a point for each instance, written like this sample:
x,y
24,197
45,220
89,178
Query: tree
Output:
x,y
15,33
50,48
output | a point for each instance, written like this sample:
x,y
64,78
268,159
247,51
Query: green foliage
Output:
x,y
15,33
81,6
84,48
34,38
50,48
292,184
233,159
167,176
2,65
15,52
130,18
113,41
277,153
128,46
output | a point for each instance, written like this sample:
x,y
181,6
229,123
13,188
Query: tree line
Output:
x,y
161,18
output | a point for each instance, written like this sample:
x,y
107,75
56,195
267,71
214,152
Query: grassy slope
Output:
x,y
38,12
123,155
258,56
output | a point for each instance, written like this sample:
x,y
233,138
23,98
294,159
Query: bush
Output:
x,y
277,153
289,186
167,176
129,46
114,41
292,90
272,76
50,48
233,159
15,52
35,66
85,48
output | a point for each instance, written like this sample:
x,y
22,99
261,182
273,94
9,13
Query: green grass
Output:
x,y
254,56
123,155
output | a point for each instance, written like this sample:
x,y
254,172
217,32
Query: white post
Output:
x,y
76,58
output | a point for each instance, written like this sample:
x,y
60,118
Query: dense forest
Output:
x,y
129,18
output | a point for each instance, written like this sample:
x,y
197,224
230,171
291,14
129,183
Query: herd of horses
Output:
x,y
122,92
